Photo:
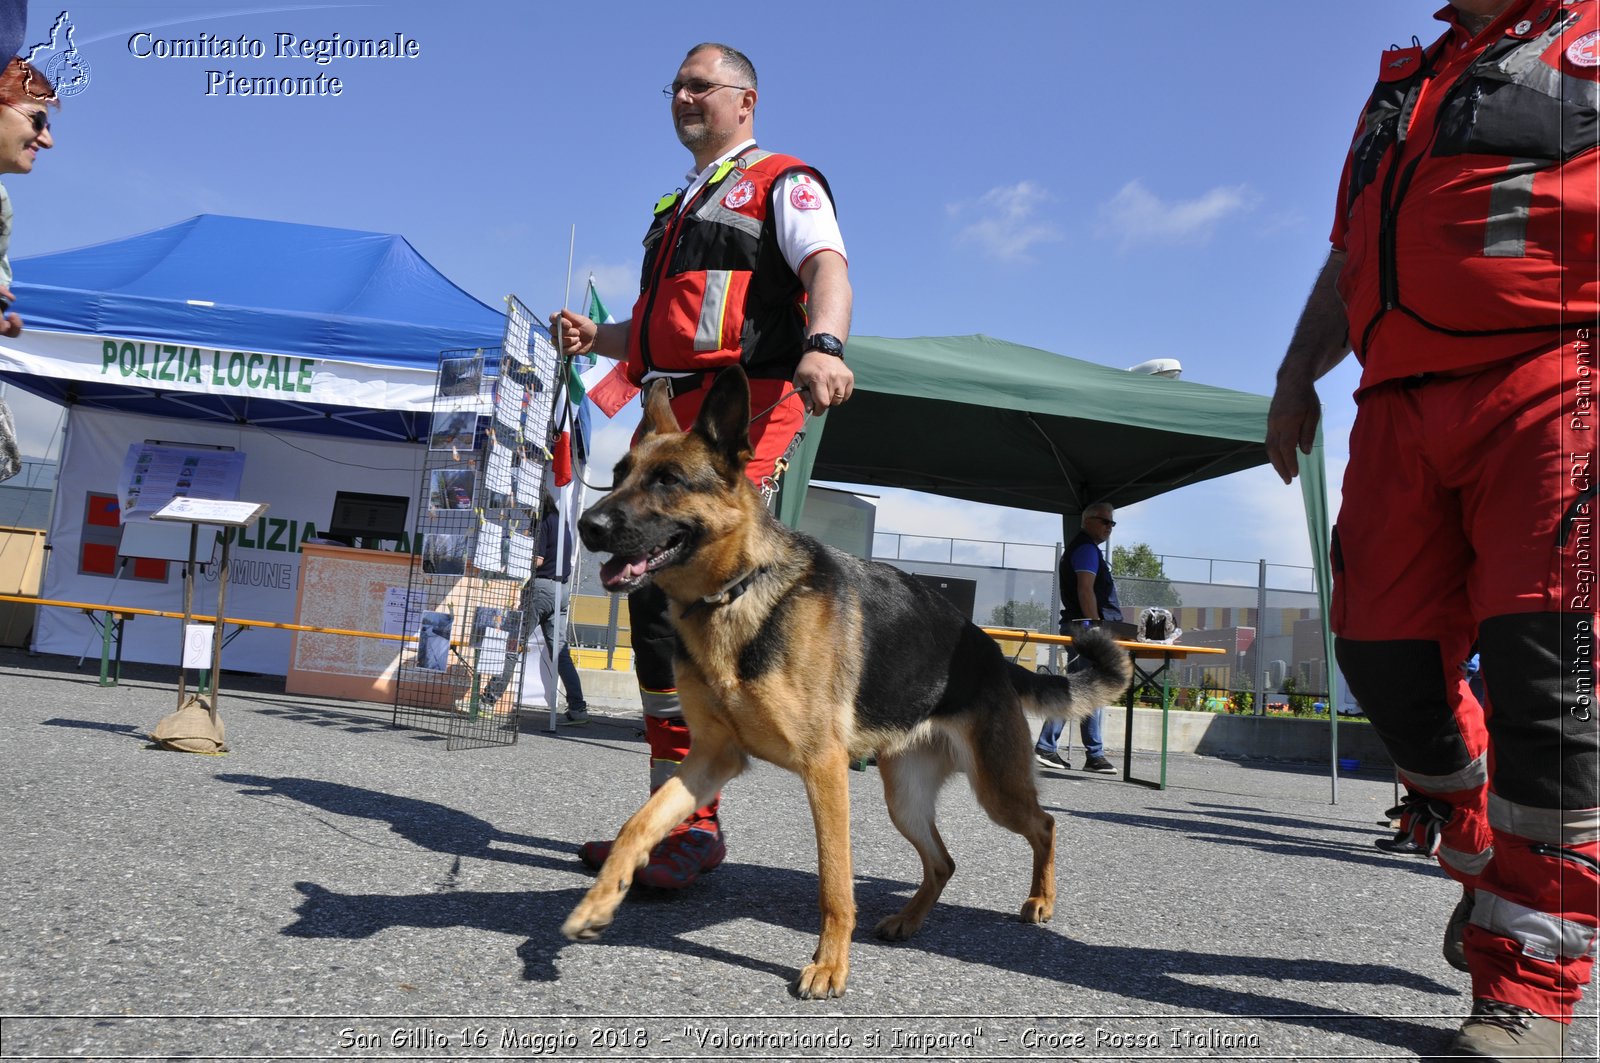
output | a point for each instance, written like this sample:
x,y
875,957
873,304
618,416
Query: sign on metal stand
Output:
x,y
196,725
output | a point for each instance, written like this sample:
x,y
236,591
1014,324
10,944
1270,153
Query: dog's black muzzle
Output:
x,y
598,527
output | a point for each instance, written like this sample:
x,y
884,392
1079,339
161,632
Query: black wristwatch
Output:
x,y
827,344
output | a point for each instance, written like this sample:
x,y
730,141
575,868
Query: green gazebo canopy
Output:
x,y
981,419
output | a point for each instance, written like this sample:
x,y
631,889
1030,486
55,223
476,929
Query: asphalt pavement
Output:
x,y
336,887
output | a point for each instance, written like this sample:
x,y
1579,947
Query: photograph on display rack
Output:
x,y
454,431
444,554
460,377
450,489
433,641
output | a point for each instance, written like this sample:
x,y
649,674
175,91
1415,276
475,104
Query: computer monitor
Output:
x,y
357,515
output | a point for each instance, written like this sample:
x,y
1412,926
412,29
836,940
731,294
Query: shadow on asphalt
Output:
x,y
1167,979
1262,840
125,729
425,824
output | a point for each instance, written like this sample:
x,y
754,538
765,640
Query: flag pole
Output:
x,y
563,392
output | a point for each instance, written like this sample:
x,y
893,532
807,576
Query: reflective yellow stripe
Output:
x,y
660,703
661,771
713,310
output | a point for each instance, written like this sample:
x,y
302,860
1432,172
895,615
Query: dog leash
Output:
x,y
769,483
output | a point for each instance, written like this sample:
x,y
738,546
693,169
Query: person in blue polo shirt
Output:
x,y
1087,593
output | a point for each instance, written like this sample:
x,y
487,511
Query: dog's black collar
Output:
x,y
731,593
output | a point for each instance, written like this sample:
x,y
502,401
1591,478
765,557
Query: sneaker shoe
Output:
x,y
1401,844
1455,954
1496,1030
1099,765
1051,760
677,861
577,719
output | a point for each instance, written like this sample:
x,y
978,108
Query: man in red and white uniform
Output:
x,y
1466,277
744,266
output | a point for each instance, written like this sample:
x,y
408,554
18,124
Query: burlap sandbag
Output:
x,y
194,728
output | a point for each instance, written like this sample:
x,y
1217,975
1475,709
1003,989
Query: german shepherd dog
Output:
x,y
807,657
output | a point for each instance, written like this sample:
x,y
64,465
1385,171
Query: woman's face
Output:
x,y
24,132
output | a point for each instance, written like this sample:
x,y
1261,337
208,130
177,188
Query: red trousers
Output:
x,y
1468,515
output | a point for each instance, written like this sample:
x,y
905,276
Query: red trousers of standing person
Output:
x,y
1469,513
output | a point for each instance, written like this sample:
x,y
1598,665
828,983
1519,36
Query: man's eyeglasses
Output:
x,y
40,120
1107,521
696,88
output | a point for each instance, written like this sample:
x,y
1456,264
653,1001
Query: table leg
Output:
x,y
1127,728
1164,711
117,675
105,649
1140,678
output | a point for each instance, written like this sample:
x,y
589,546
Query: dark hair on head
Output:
x,y
21,81
732,58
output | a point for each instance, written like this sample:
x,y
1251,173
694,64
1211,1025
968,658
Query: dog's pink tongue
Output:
x,y
622,569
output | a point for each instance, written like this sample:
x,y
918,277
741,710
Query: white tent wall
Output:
x,y
296,474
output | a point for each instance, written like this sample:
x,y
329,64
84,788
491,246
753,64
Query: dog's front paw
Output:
x,y
1037,910
589,918
819,981
580,927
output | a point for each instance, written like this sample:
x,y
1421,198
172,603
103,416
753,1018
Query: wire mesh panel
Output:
x,y
479,498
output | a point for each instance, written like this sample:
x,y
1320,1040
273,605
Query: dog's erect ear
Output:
x,y
724,419
658,415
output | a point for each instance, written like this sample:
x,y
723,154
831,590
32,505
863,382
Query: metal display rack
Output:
x,y
486,461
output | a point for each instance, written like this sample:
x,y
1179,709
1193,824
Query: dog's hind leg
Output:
x,y
827,779
911,783
1002,777
713,759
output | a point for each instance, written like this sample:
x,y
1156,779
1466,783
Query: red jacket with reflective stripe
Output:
x,y
715,289
1469,202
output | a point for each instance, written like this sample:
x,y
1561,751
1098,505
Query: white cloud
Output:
x,y
1006,225
1135,215
617,285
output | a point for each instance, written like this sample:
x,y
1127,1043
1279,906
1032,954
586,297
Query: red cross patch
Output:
x,y
1585,51
739,194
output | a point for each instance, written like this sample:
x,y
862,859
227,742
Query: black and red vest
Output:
x,y
715,289
1471,195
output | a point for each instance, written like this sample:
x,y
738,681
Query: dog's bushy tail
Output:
x,y
1103,682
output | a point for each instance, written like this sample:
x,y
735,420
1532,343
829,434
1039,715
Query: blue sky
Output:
x,y
1112,182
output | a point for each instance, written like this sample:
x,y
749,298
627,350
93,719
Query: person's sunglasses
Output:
x,y
40,120
1107,521
696,88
